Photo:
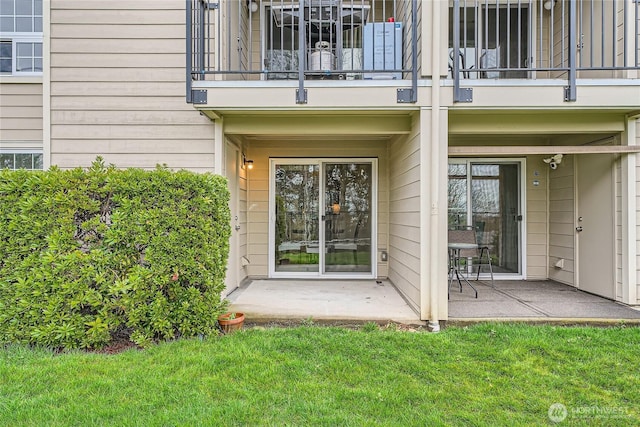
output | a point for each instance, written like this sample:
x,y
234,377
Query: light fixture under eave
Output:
x,y
548,4
253,6
247,163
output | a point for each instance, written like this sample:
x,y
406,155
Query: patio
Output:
x,y
544,301
357,301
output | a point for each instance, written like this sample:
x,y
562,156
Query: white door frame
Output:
x,y
321,161
522,230
231,172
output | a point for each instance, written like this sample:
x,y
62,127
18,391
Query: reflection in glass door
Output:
x,y
486,196
322,218
347,217
296,211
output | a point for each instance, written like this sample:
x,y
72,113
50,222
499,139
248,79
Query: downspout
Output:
x,y
434,320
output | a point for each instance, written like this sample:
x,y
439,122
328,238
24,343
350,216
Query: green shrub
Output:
x,y
89,256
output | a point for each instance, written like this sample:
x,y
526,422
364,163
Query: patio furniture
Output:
x,y
456,251
463,244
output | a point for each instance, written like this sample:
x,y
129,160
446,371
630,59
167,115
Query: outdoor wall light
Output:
x,y
554,161
549,4
335,208
246,163
253,6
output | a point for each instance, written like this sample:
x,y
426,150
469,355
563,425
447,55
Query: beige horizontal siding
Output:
x,y
21,114
117,31
118,90
404,214
561,221
118,75
536,205
117,46
114,5
124,15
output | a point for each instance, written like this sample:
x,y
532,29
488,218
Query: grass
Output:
x,y
482,375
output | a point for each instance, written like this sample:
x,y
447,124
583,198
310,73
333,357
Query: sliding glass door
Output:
x,y
487,196
323,218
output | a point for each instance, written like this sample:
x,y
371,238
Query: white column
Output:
x,y
629,216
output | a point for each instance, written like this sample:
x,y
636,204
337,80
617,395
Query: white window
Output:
x,y
20,37
21,160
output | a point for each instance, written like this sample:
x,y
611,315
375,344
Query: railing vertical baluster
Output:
x,y
563,13
508,26
201,34
613,34
636,41
602,31
519,33
414,51
591,36
625,22
570,90
301,92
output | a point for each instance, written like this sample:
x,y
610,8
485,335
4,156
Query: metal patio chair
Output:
x,y
467,234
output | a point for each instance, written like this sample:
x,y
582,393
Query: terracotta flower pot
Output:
x,y
230,322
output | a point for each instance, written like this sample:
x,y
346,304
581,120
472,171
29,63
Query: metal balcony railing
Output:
x,y
303,40
534,39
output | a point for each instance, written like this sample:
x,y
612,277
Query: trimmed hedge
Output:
x,y
92,256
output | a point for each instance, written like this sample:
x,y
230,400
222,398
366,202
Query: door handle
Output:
x,y
579,228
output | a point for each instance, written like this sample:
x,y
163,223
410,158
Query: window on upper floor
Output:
x,y
30,160
20,37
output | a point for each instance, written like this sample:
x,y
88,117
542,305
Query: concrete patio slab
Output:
x,y
535,300
361,301
325,300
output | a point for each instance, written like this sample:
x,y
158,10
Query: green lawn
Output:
x,y
482,375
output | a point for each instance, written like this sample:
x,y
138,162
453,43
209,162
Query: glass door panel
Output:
x,y
296,218
347,217
486,196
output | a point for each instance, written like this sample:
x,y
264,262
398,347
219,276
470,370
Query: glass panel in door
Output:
x,y
297,220
347,217
496,213
486,196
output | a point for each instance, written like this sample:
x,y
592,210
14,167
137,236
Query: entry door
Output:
x,y
595,224
322,218
487,196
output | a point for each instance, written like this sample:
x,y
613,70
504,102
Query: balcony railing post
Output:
x,y
301,92
411,95
459,94
414,51
570,90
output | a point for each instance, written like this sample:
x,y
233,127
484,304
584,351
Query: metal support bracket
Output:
x,y
463,94
301,96
406,96
199,96
570,94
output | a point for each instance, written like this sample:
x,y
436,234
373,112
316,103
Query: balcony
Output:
x,y
250,50
285,43
546,39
